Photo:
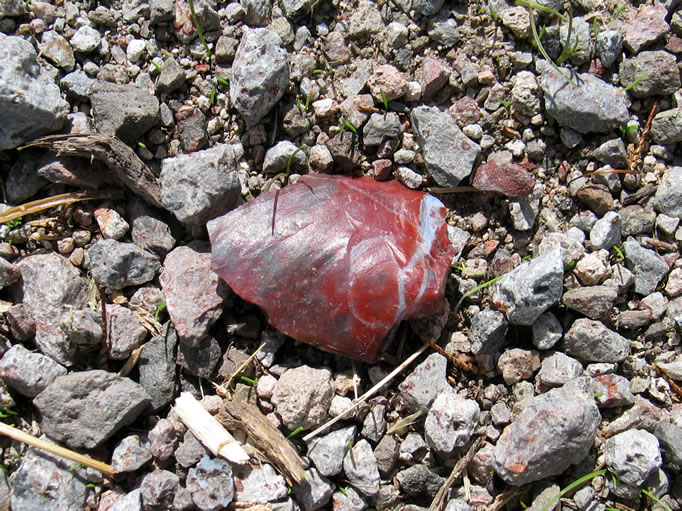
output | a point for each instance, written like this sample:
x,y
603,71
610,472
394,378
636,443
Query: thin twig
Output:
x,y
439,501
670,381
228,382
58,450
367,394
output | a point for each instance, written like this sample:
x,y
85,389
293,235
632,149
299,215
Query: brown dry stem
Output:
x,y
439,501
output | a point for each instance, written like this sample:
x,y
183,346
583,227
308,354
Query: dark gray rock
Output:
x,y
191,128
83,327
327,452
374,424
28,373
124,111
211,484
419,480
487,332
425,383
669,193
157,367
636,219
148,231
612,152
117,265
314,492
201,186
22,181
302,397
131,453
48,285
554,431
449,155
9,273
190,451
345,149
278,156
592,106
632,456
44,481
85,408
29,97
591,341
609,46
547,331
296,8
158,489
531,288
386,452
657,70
171,78
163,440
666,128
361,469
450,423
257,12
670,438
125,332
648,267
442,28
595,302
380,127
200,360
260,74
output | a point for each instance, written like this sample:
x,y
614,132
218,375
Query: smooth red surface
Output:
x,y
349,259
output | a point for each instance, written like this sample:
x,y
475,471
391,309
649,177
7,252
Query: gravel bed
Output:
x,y
563,304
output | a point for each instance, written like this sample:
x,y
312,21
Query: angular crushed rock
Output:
x,y
85,408
595,302
29,98
449,155
194,293
117,265
658,72
211,484
633,456
593,342
361,469
554,431
260,74
131,453
668,197
203,185
302,397
450,423
648,267
28,373
314,492
327,452
260,484
425,383
125,332
531,288
157,367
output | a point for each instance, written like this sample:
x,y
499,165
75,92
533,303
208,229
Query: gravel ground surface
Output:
x,y
569,198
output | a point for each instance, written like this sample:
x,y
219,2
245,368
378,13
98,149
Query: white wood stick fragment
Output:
x,y
208,430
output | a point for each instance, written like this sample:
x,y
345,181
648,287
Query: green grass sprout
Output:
x,y
634,84
347,124
384,99
656,499
251,381
160,308
223,81
620,10
200,32
574,484
294,432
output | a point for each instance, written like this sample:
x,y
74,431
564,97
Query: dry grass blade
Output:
x,y
439,501
62,199
116,155
400,426
21,436
228,382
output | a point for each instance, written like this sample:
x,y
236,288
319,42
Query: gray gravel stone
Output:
x,y
43,481
125,332
593,106
633,456
201,186
171,78
647,266
157,367
158,489
450,423
666,127
547,331
131,453
194,293
9,273
83,327
190,450
449,155
163,440
277,158
609,46
530,289
419,480
28,95
606,232
199,360
612,152
425,383
524,210
581,42
302,397
361,469
117,265
517,365
380,127
670,438
260,484
148,231
558,369
124,111
374,424
86,39
48,285
327,452
57,49
85,408
571,250
12,8
525,95
442,28
365,21
211,484
260,74
591,341
130,502
595,302
668,198
386,453
28,373
349,500
658,72
554,431
314,492
636,219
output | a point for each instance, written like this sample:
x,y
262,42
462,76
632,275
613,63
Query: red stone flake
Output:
x,y
349,259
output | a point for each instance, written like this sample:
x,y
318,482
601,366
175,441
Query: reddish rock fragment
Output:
x,y
433,77
508,178
347,261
